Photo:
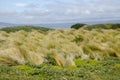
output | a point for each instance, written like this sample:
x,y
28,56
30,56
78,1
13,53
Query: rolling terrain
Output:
x,y
37,53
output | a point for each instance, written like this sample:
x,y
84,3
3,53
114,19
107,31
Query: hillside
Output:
x,y
25,28
70,54
96,26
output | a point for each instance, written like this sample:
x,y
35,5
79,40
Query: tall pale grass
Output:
x,y
65,45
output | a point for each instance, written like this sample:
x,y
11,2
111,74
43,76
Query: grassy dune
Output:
x,y
30,53
63,46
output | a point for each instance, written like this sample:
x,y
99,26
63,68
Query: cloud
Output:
x,y
21,4
63,11
6,13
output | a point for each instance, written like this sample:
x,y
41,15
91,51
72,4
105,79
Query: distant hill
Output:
x,y
69,24
96,26
56,25
59,25
3,24
47,25
25,28
102,26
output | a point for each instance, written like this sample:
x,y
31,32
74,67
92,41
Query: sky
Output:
x,y
58,11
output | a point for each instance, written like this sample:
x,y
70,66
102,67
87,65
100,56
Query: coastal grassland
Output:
x,y
60,46
69,54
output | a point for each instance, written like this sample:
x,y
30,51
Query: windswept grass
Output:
x,y
21,46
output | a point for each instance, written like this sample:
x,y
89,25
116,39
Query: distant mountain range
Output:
x,y
50,25
3,24
58,25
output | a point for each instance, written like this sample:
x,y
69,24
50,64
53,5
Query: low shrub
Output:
x,y
77,25
25,28
103,26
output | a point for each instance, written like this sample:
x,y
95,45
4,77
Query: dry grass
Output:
x,y
65,45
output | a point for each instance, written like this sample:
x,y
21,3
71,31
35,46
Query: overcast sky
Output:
x,y
50,11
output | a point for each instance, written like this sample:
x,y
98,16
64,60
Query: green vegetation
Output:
x,y
25,28
105,69
96,26
32,53
77,25
103,26
10,73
